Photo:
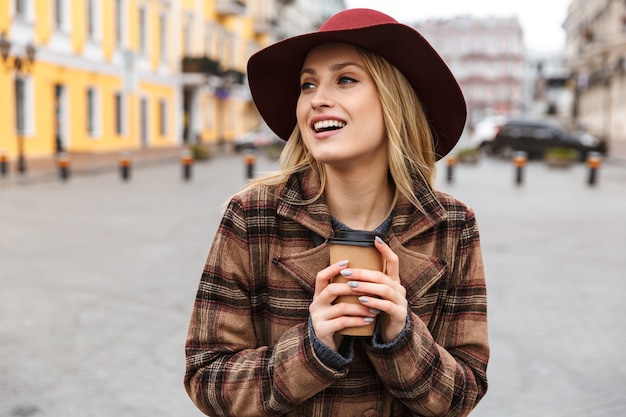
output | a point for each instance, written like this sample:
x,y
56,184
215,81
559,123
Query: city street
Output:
x,y
98,277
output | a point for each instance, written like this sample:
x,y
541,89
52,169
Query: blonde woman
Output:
x,y
366,107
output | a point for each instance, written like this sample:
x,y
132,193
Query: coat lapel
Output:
x,y
418,272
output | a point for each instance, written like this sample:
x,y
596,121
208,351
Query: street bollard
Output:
x,y
594,161
452,160
520,158
187,161
4,164
125,165
63,163
250,160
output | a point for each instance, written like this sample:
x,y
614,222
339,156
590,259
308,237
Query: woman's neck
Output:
x,y
360,202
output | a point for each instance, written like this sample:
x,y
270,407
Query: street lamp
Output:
x,y
22,64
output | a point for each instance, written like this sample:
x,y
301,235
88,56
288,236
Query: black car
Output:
x,y
535,137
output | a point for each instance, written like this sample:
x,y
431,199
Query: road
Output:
x,y
98,276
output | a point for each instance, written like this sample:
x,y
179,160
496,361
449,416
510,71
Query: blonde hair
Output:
x,y
410,140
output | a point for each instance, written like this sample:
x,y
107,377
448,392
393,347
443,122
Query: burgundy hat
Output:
x,y
274,72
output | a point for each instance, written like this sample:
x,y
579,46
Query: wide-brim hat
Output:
x,y
274,72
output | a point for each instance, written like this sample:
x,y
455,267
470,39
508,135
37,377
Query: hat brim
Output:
x,y
273,77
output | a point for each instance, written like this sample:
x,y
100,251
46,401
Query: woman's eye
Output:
x,y
346,80
306,86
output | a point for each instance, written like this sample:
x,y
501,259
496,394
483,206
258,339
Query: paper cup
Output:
x,y
358,248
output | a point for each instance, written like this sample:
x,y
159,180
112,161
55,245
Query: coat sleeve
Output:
x,y
227,372
442,372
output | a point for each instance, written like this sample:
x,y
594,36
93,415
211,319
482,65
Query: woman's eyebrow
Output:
x,y
334,67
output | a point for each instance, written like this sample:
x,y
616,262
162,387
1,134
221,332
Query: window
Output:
x,y
187,39
61,18
163,117
89,19
143,35
24,106
58,14
119,113
20,106
20,9
163,37
118,22
93,112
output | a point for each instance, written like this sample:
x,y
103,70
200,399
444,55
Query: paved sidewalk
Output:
x,y
98,277
81,163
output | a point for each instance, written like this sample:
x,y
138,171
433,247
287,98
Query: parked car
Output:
x,y
535,136
257,139
484,132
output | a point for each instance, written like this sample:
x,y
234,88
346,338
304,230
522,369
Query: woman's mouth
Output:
x,y
326,125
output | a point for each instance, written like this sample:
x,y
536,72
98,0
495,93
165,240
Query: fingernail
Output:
x,y
368,319
343,263
353,284
363,299
379,240
374,311
345,272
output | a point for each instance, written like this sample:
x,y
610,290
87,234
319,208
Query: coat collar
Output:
x,y
408,220
419,271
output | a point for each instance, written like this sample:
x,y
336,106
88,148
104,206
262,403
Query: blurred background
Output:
x,y
120,98
99,76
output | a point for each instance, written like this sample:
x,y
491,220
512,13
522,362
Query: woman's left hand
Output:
x,y
383,291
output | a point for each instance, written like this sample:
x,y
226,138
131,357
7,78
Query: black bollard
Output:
x,y
4,165
187,162
250,160
63,163
125,166
594,161
450,171
520,158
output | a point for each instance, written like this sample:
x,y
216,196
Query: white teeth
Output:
x,y
326,124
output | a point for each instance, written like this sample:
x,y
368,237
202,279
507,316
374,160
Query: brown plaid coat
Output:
x,y
249,352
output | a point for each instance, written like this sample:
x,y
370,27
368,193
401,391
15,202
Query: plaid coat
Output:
x,y
249,351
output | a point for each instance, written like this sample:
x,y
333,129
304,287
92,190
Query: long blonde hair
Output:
x,y
410,140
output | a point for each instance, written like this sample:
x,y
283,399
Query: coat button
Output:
x,y
371,413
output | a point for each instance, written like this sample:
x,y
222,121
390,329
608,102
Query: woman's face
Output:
x,y
339,113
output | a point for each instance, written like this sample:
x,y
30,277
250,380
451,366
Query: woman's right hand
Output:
x,y
328,318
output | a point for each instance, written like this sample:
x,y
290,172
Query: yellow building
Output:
x,y
110,75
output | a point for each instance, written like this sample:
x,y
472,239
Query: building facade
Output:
x,y
486,55
87,76
596,55
547,87
113,75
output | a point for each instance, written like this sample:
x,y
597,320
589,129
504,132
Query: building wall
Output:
x,y
486,55
68,57
596,57
141,96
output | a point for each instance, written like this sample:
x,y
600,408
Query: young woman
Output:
x,y
367,107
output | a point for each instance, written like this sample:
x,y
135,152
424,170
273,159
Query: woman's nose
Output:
x,y
322,97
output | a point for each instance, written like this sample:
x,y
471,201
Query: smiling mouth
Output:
x,y
326,125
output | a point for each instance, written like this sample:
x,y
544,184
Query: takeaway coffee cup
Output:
x,y
358,248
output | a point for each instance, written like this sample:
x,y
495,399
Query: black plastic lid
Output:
x,y
353,237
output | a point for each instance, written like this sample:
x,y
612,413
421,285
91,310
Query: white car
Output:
x,y
485,131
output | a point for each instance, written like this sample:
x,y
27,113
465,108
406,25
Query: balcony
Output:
x,y
201,65
204,67
230,7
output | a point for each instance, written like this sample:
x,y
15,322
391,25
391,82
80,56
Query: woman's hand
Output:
x,y
382,291
377,292
328,318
